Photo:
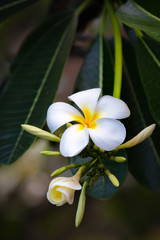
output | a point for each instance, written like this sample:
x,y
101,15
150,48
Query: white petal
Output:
x,y
54,196
67,194
74,140
68,182
111,107
60,113
86,100
54,182
58,203
71,184
108,133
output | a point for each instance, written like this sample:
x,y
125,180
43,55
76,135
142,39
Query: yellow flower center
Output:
x,y
88,120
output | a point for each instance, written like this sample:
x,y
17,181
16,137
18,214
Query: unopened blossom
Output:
x,y
96,119
61,190
140,137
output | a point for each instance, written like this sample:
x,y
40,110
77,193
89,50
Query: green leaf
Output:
x,y
148,59
8,8
143,159
152,8
135,16
34,80
103,187
97,68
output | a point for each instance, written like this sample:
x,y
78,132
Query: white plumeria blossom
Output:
x,y
97,121
62,189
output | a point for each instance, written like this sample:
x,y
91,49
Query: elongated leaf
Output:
x,y
34,80
143,159
97,68
135,16
148,59
102,187
7,8
152,8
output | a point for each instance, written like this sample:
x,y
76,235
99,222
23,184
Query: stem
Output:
x,y
103,21
81,165
118,50
89,166
138,32
81,169
83,6
73,165
65,168
92,163
101,32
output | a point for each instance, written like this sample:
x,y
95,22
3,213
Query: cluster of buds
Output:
x,y
96,135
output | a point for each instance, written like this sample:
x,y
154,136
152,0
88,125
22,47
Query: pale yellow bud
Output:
x,y
81,205
118,159
59,171
140,137
112,178
50,153
40,133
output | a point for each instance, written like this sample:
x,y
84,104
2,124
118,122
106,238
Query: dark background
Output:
x,y
25,213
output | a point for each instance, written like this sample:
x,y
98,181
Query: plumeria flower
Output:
x,y
95,119
62,189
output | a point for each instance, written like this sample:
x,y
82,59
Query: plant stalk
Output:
x,y
118,50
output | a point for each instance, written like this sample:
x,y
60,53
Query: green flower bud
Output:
x,y
59,171
112,178
50,153
118,159
81,205
40,133
65,168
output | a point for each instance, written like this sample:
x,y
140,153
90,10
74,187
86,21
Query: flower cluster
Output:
x,y
97,119
92,131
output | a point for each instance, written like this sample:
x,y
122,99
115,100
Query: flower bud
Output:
x,y
65,168
118,159
81,205
59,171
140,137
50,153
62,189
40,133
112,178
